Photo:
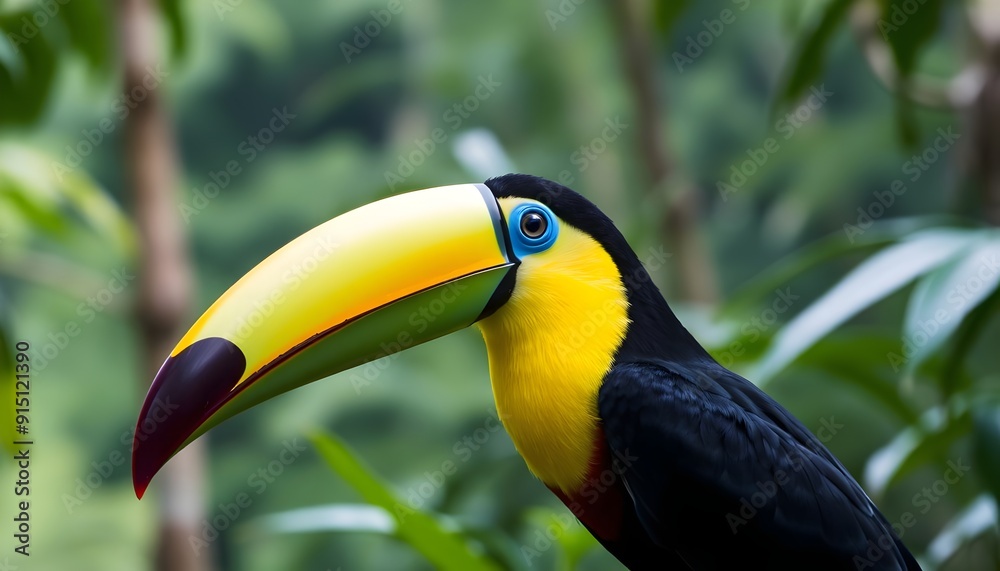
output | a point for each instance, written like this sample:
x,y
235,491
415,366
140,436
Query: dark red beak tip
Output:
x,y
185,392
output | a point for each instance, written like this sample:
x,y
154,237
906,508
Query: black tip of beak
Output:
x,y
186,390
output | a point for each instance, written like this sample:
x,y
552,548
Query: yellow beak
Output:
x,y
340,295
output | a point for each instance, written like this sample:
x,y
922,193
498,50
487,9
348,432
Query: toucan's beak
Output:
x,y
348,291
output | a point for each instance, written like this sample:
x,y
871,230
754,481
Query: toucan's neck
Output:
x,y
550,347
655,333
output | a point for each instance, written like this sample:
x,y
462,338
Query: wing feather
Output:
x,y
723,474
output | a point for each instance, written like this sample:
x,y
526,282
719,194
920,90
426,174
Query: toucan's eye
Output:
x,y
533,224
532,228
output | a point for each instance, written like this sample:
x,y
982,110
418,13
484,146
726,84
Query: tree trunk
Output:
x,y
164,274
693,277
985,121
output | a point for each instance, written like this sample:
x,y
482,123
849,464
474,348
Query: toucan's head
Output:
x,y
539,267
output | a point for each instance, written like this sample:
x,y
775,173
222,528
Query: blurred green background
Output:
x,y
749,150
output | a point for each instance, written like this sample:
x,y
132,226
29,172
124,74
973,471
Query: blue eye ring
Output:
x,y
533,228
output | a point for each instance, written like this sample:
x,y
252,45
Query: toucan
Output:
x,y
669,459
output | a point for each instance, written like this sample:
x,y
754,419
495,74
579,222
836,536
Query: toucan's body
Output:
x,y
669,459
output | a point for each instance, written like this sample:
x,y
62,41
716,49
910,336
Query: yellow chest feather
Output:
x,y
549,348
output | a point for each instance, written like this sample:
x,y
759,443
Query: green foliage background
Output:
x,y
796,230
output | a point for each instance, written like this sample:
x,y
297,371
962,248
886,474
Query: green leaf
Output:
x,y
175,22
444,549
927,443
7,390
88,24
906,121
986,445
666,14
953,376
35,205
55,203
943,298
976,519
6,87
364,518
100,212
26,87
907,32
333,517
873,280
858,371
807,63
828,248
574,541
791,18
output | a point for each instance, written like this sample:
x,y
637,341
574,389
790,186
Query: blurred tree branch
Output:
x,y
984,116
693,278
165,282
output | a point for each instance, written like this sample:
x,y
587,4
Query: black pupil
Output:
x,y
533,224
